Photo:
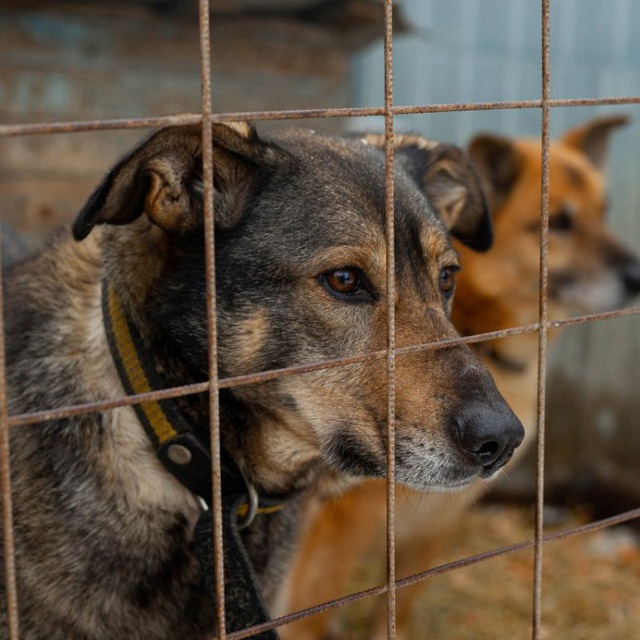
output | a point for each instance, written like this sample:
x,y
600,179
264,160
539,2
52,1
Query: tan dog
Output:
x,y
589,271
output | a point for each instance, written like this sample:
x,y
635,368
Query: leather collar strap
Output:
x,y
189,462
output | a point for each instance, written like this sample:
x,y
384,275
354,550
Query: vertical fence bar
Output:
x,y
10,582
542,332
391,336
214,397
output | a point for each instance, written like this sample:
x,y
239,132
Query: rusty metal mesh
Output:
x,y
388,111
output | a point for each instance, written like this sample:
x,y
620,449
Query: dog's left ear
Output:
x,y
592,138
455,192
162,179
450,182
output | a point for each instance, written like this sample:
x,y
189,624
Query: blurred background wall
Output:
x,y
88,60
113,59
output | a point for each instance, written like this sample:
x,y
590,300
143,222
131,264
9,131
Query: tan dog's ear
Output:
x,y
450,183
498,163
592,138
163,179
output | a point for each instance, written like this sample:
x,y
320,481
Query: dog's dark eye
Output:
x,y
561,220
343,281
448,281
346,283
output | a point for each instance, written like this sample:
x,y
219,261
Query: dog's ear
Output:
x,y
451,184
162,178
454,189
592,138
498,162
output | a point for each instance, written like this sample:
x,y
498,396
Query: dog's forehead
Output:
x,y
334,162
339,186
570,169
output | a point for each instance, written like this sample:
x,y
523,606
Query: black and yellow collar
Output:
x,y
189,462
137,374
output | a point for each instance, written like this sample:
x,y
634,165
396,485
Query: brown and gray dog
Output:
x,y
104,533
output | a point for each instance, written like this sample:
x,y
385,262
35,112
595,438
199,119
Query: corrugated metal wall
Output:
x,y
488,50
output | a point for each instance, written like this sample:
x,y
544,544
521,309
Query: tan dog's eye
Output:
x,y
561,220
448,281
348,284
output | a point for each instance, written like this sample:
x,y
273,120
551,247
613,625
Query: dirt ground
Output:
x,y
591,584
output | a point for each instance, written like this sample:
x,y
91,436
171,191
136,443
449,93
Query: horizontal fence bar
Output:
x,y
76,126
253,378
514,104
34,417
594,317
468,561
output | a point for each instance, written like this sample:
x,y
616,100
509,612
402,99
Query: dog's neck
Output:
x,y
263,440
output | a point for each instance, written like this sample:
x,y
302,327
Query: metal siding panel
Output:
x,y
593,24
492,26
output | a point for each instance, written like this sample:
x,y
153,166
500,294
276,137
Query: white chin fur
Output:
x,y
433,477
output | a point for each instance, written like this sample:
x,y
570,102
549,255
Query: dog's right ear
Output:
x,y
498,163
592,138
451,184
162,178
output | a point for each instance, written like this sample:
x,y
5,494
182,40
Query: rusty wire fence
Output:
x,y
215,384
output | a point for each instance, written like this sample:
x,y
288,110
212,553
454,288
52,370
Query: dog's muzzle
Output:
x,y
487,434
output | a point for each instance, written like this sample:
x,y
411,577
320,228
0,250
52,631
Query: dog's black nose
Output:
x,y
631,276
488,433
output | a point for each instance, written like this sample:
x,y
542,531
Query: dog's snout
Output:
x,y
631,276
488,434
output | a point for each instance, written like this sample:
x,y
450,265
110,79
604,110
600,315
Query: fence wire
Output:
x,y
543,326
206,117
10,580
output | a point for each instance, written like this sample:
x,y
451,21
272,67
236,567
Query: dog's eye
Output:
x,y
447,281
561,220
346,283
